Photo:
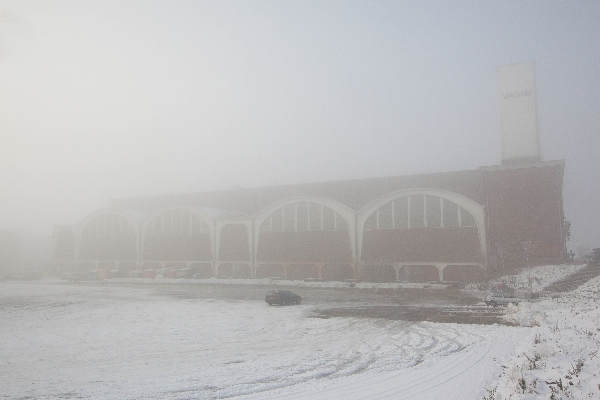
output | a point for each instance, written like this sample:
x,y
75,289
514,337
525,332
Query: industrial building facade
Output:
x,y
454,226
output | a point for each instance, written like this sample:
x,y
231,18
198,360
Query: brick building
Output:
x,y
434,227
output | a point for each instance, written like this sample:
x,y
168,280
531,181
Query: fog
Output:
x,y
404,286
101,100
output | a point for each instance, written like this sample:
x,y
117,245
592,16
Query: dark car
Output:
x,y
282,298
500,300
501,296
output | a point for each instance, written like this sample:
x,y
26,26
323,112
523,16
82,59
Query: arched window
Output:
x,y
177,234
105,225
177,222
303,216
422,225
108,236
419,211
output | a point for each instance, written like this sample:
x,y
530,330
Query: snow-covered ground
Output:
x,y
69,341
562,356
535,278
286,282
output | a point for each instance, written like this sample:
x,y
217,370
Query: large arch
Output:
x,y
178,234
108,235
307,224
473,208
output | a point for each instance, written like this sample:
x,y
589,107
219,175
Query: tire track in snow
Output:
x,y
423,341
177,349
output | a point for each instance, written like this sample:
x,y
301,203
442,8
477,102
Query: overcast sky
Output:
x,y
105,99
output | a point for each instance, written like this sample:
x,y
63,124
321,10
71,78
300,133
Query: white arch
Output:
x,y
131,219
194,212
471,206
150,218
346,212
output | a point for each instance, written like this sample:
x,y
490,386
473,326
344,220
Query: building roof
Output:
x,y
354,193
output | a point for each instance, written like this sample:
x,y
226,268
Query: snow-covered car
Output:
x,y
282,298
495,300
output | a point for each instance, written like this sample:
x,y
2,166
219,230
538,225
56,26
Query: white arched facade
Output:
x,y
296,213
120,220
475,209
205,225
345,212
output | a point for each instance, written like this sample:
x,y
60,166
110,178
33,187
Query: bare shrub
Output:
x,y
491,394
558,390
522,384
576,369
534,362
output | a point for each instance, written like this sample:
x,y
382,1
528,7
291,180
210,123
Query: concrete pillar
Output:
x,y
397,272
440,268
214,241
355,270
251,255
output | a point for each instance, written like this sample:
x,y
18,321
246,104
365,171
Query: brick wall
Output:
x,y
234,243
314,246
525,215
423,245
117,246
175,247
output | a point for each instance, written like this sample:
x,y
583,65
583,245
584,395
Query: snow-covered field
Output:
x,y
69,341
562,359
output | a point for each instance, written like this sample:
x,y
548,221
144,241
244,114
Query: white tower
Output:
x,y
518,113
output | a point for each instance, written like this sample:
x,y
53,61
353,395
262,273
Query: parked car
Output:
x,y
500,299
282,298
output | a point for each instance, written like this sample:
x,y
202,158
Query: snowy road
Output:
x,y
67,341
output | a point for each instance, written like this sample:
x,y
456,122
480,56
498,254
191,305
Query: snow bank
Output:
x,y
534,279
561,358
